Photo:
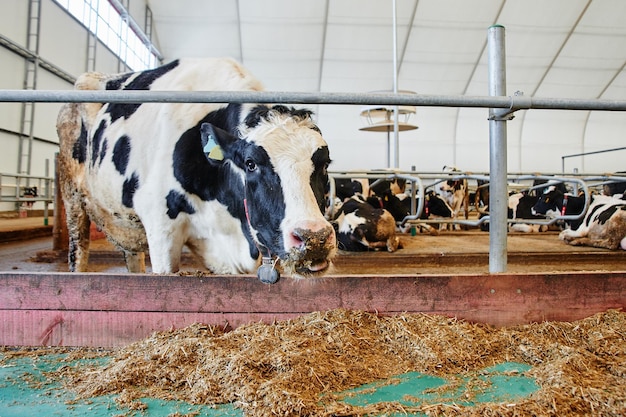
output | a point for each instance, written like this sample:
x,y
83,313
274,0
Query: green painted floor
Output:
x,y
500,383
25,391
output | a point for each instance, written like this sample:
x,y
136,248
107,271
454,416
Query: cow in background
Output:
x,y
520,208
391,195
615,188
481,197
556,185
603,226
347,187
456,193
361,227
235,183
554,202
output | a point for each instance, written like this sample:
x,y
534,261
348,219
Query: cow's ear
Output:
x,y
215,141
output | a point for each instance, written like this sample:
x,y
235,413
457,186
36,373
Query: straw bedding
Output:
x,y
294,367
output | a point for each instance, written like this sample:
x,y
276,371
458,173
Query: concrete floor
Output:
x,y
457,252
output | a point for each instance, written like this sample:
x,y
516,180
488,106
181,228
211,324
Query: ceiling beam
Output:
x,y
323,51
240,32
408,35
558,53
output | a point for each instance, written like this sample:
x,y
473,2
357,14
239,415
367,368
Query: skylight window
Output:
x,y
115,31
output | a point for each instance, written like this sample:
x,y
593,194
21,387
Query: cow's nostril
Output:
x,y
298,236
310,238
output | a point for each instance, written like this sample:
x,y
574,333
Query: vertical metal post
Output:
x,y
46,193
498,193
396,128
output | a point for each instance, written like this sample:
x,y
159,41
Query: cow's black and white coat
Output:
x,y
139,171
399,206
603,226
520,208
362,227
456,193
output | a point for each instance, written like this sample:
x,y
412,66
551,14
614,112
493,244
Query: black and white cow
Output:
x,y
456,193
554,202
347,187
362,227
603,226
520,208
399,206
556,185
481,196
235,183
615,188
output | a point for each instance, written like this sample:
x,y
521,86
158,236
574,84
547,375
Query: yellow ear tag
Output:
x,y
213,150
216,153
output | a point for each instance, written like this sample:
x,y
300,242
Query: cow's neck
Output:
x,y
564,204
572,205
267,271
234,197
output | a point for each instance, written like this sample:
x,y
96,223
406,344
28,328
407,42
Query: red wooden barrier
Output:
x,y
116,309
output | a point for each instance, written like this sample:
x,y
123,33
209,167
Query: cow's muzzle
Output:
x,y
311,249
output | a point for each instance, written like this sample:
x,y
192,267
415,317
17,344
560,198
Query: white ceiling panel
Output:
x,y
188,28
556,48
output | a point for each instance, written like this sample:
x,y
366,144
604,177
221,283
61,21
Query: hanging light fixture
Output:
x,y
379,118
382,119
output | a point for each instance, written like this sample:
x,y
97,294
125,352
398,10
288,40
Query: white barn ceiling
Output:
x,y
556,48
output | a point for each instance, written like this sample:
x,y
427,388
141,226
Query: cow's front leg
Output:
x,y
135,261
165,249
568,235
78,225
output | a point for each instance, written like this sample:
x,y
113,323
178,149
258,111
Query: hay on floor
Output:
x,y
294,367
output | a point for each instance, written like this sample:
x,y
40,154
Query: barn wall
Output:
x,y
62,42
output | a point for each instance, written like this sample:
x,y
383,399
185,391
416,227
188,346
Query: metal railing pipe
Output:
x,y
417,189
498,192
285,97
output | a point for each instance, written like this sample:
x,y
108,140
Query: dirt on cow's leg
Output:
x,y
78,225
135,261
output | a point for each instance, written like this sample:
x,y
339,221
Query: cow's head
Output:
x,y
282,160
399,206
549,203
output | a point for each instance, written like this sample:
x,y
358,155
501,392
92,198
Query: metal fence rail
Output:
x,y
25,190
505,103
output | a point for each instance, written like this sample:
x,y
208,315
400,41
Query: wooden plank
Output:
x,y
34,308
237,293
105,328
118,328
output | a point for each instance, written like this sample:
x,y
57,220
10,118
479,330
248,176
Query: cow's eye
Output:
x,y
250,165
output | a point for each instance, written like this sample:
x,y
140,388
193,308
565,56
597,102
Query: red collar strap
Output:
x,y
267,271
564,205
265,251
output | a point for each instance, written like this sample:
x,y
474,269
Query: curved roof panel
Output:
x,y
560,49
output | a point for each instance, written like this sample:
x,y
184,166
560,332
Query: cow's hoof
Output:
x,y
268,274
